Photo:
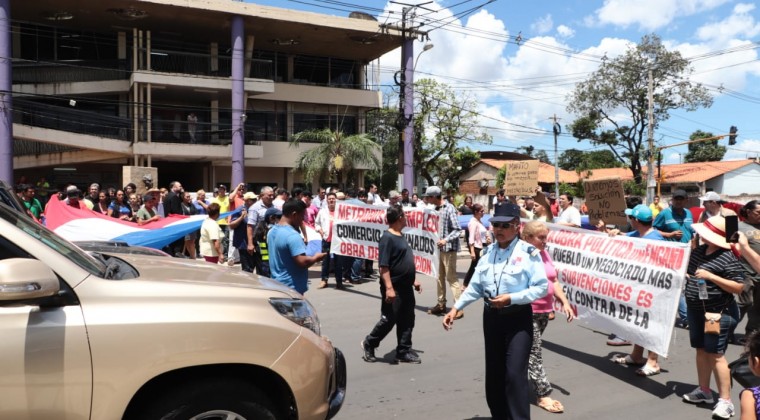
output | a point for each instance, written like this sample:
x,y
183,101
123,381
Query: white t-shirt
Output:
x,y
210,231
570,215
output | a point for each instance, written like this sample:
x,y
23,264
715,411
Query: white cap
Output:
x,y
711,196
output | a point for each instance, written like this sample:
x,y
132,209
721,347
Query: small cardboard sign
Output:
x,y
605,200
521,177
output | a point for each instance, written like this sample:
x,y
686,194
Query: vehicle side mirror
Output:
x,y
24,279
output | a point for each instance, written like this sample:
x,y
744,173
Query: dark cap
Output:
x,y
222,186
272,211
148,197
505,212
679,193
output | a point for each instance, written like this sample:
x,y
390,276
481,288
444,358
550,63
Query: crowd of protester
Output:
x,y
256,235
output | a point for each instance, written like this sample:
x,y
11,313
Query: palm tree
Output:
x,y
336,153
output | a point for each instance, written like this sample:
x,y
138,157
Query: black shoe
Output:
x,y
409,357
340,287
369,352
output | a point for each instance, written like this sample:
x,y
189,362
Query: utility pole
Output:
x,y
557,130
405,81
650,129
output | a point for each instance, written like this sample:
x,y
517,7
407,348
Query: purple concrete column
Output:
x,y
408,68
238,102
6,85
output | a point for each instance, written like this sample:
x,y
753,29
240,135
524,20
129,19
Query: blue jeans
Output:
x,y
682,312
357,267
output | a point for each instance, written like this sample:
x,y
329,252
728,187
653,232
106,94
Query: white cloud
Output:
x,y
743,149
543,25
565,31
649,15
672,158
739,24
529,83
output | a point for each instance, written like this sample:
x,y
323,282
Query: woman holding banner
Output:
x,y
715,270
536,233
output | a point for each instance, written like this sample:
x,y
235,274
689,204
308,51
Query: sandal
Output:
x,y
552,406
647,370
626,360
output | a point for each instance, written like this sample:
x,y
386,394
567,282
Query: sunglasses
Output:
x,y
504,225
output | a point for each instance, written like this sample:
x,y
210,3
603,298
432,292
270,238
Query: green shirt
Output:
x,y
34,207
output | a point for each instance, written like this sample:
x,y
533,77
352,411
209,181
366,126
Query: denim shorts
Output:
x,y
711,343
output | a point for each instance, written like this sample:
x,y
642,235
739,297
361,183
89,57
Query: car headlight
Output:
x,y
299,311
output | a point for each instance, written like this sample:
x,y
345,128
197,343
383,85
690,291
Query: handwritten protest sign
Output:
x,y
357,229
521,177
629,286
605,200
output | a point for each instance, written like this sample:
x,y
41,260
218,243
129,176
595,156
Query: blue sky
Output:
x,y
519,86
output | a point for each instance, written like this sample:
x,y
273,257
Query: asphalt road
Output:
x,y
449,383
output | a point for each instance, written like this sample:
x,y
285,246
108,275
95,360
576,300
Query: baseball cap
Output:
x,y
250,196
679,193
642,213
711,196
272,211
433,191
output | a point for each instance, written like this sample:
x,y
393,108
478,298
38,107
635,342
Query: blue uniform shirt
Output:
x,y
521,275
285,243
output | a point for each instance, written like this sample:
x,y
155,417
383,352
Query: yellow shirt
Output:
x,y
655,209
224,207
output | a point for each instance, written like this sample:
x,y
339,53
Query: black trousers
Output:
x,y
471,270
508,337
399,313
247,261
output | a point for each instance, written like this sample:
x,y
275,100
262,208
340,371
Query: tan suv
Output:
x,y
120,336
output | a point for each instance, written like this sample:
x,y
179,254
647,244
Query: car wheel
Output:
x,y
211,400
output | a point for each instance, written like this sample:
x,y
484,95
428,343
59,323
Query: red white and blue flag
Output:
x,y
86,225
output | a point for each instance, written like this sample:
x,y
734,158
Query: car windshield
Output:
x,y
53,241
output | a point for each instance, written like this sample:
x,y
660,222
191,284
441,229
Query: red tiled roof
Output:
x,y
677,173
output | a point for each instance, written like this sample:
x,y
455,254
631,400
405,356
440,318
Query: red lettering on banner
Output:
x,y
372,253
413,219
597,285
565,238
352,250
645,299
431,222
423,265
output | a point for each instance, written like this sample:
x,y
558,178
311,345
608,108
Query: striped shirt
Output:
x,y
449,227
723,263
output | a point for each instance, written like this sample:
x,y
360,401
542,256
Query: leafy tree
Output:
x,y
539,155
705,151
336,154
443,120
612,103
381,125
572,159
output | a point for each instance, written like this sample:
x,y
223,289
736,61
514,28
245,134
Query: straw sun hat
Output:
x,y
713,230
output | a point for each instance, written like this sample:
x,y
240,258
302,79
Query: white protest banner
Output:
x,y
357,229
628,286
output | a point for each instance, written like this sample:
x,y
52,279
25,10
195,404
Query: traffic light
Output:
x,y
732,137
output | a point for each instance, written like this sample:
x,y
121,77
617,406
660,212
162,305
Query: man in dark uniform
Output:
x,y
509,276
397,286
